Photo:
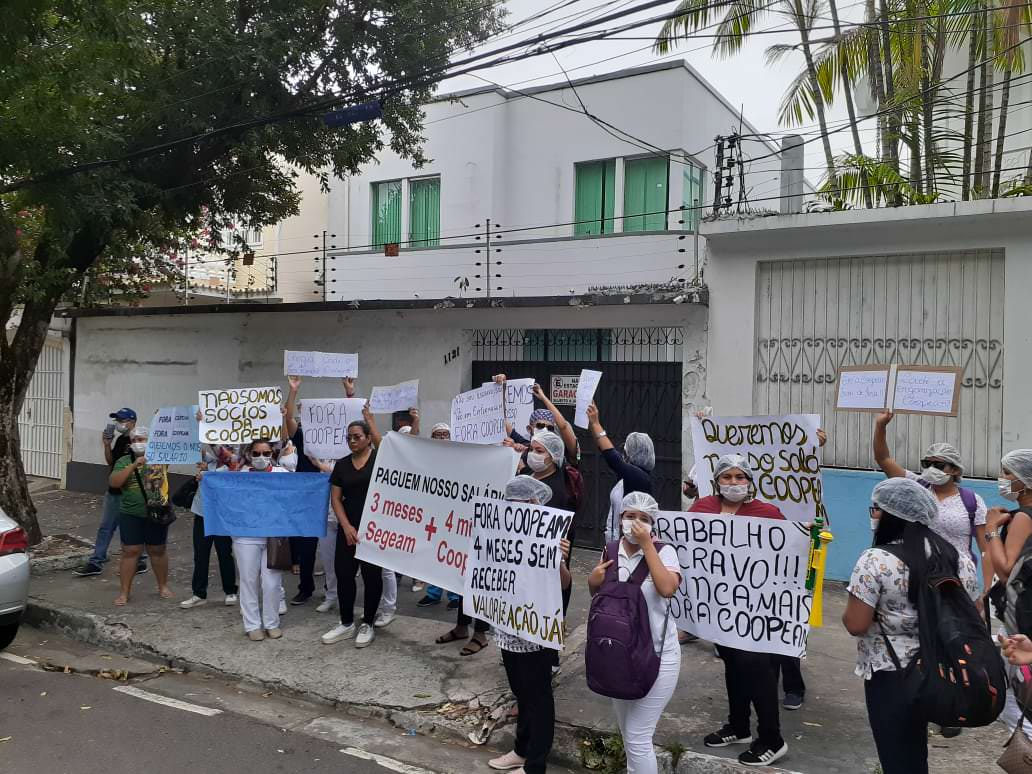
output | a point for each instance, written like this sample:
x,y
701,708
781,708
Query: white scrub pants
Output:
x,y
327,553
637,719
389,600
261,589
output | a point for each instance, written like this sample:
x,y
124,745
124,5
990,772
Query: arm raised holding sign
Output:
x,y
882,455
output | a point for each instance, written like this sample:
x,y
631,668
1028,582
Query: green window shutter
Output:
x,y
645,194
386,213
594,197
694,191
425,212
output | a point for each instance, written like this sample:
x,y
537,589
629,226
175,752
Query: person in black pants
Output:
x,y
202,545
791,671
752,680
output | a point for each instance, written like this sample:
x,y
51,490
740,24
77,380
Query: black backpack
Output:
x,y
957,678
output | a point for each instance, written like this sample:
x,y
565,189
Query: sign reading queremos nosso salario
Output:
x,y
564,389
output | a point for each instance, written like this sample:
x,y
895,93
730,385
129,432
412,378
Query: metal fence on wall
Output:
x,y
617,345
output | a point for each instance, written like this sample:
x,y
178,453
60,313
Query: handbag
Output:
x,y
277,554
183,498
162,514
1017,750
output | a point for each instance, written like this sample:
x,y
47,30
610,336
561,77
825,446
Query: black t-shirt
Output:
x,y
557,483
119,449
304,465
354,486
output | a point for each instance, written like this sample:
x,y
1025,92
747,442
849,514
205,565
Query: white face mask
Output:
x,y
874,525
625,526
139,447
260,463
289,461
121,427
1007,491
935,477
734,493
537,461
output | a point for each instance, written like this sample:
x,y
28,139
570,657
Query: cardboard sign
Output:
x,y
477,416
397,397
930,390
743,580
513,576
564,390
240,415
586,386
418,517
324,425
783,452
248,504
863,388
319,364
519,402
173,437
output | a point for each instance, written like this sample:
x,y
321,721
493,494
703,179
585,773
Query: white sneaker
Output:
x,y
194,601
507,762
282,608
418,586
366,634
326,606
232,599
338,633
384,619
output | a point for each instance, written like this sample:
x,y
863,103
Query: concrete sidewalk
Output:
x,y
417,685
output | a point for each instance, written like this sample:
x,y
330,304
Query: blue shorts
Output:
x,y
141,531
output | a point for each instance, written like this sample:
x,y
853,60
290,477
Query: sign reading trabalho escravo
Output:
x,y
564,390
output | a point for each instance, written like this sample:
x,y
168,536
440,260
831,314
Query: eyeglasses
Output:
x,y
543,426
261,454
939,464
355,437
873,510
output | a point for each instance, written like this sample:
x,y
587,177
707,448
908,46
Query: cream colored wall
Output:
x,y
292,242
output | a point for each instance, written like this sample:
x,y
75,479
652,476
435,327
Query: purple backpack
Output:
x,y
619,656
967,496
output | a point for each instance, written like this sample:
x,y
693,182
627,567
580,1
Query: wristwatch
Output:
x,y
603,434
990,535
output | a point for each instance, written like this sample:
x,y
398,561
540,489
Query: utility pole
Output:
x,y
487,256
321,258
718,174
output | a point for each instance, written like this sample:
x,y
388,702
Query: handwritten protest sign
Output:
x,y
927,390
586,386
783,452
862,388
397,397
477,416
240,415
519,402
513,576
265,505
324,425
418,518
319,364
173,437
743,580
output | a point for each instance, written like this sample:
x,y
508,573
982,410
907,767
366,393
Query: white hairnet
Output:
x,y
553,443
1019,462
906,499
640,451
639,501
140,431
730,461
946,452
527,489
441,427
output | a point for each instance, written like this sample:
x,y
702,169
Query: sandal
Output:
x,y
451,636
473,647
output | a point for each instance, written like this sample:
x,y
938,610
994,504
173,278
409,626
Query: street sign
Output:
x,y
564,389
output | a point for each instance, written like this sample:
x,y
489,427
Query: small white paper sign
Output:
x,y
519,402
173,436
324,425
477,416
319,364
926,391
586,386
397,397
863,390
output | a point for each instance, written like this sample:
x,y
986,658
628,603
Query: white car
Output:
x,y
14,577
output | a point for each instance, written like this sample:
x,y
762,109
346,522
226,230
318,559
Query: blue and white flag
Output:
x,y
242,504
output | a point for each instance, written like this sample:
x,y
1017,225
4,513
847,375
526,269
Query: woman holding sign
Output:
x,y
633,468
751,678
349,485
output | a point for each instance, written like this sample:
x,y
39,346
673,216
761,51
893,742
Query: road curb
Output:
x,y
93,629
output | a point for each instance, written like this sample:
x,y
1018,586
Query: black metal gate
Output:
x,y
632,396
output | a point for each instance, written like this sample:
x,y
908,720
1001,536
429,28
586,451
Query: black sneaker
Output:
x,y
759,754
300,598
793,701
726,737
141,568
428,601
453,604
949,732
88,569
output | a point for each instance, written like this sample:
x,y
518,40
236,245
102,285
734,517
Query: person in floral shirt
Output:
x,y
881,608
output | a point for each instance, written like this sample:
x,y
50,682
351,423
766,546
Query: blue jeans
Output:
x,y
434,592
107,529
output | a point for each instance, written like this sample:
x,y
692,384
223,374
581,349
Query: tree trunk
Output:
x,y
969,107
847,90
1001,133
983,152
818,99
893,118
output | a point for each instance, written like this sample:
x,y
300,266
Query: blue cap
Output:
x,y
124,414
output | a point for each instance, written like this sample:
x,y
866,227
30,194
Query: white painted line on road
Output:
x,y
139,693
17,659
383,760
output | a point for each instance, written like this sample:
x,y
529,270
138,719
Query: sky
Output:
x,y
745,80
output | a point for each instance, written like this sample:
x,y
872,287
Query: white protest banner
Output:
x,y
564,390
173,437
783,452
931,390
586,386
319,364
513,576
418,517
863,388
240,415
477,416
743,580
397,397
324,425
519,402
